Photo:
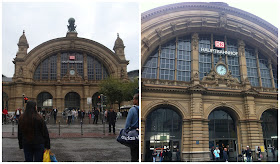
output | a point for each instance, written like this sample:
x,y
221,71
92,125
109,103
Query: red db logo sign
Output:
x,y
219,44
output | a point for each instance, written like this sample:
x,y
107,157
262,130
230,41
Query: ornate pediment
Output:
x,y
197,88
251,91
72,76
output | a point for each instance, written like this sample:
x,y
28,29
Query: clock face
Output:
x,y
221,70
72,72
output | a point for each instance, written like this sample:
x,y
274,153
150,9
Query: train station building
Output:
x,y
209,78
62,72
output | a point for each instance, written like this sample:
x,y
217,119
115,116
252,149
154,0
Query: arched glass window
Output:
x,y
96,70
184,59
269,120
265,72
233,61
44,99
167,61
150,68
72,60
46,70
72,100
252,69
205,59
163,130
221,125
175,52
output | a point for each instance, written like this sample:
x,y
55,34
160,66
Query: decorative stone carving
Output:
x,y
158,31
188,22
173,27
146,42
203,21
223,20
122,73
20,72
195,41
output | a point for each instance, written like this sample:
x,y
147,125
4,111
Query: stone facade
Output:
x,y
196,99
23,81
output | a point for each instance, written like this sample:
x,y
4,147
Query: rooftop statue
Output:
x,y
71,26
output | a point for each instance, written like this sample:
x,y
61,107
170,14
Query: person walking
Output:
x,y
96,114
69,116
248,154
54,114
225,155
217,154
17,114
259,153
112,115
161,155
4,115
178,155
132,122
33,135
154,155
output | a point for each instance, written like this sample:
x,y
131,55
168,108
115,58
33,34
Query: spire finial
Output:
x,y
118,35
23,32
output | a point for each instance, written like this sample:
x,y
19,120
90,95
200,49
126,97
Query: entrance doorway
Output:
x,y
163,131
72,100
222,132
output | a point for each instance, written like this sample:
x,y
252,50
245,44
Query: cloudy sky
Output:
x,y
44,21
96,21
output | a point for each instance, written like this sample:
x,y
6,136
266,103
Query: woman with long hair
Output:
x,y
33,135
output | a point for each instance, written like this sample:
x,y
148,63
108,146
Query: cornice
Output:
x,y
146,16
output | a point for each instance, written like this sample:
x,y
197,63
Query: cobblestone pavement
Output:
x,y
71,145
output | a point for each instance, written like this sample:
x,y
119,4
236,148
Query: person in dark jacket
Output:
x,y
112,115
33,135
248,154
225,156
96,113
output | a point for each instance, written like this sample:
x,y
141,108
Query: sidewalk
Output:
x,y
70,145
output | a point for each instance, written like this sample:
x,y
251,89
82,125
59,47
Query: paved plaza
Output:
x,y
72,144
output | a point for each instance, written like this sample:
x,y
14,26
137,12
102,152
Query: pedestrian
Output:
x,y
54,114
111,116
161,155
225,156
4,115
44,113
178,155
248,154
17,114
69,116
169,155
73,115
154,155
273,152
96,113
106,115
259,153
132,122
217,154
212,152
33,135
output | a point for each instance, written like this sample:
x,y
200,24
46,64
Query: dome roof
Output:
x,y
119,42
23,41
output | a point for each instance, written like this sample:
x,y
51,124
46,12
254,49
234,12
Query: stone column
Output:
x,y
195,59
186,140
158,64
198,130
271,73
84,97
85,68
242,60
176,57
59,98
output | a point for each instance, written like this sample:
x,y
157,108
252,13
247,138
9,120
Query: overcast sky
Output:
x,y
45,21
96,21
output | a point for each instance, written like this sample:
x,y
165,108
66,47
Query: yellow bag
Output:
x,y
46,157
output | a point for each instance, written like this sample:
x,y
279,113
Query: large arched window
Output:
x,y
46,70
205,60
163,130
72,60
173,55
96,70
44,100
269,120
252,68
265,72
72,100
233,61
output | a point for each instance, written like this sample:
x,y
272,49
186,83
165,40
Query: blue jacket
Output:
x,y
132,119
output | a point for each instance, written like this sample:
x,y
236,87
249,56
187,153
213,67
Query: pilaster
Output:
x,y
242,60
194,58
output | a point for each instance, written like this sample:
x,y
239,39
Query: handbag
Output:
x,y
129,137
46,156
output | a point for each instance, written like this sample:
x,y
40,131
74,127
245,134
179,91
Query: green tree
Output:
x,y
118,90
